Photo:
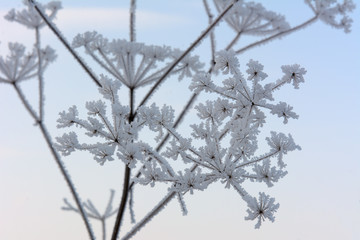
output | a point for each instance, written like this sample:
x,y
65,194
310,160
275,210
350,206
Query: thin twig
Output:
x,y
212,35
25,102
58,161
62,39
40,75
236,38
280,34
121,210
150,215
132,20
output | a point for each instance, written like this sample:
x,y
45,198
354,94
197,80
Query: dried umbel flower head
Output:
x,y
30,18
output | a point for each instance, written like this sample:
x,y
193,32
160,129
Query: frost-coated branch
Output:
x,y
57,159
26,103
40,75
132,20
67,180
150,215
63,40
124,197
212,34
186,52
278,35
19,67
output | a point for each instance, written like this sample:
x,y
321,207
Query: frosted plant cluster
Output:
x,y
237,113
119,57
223,146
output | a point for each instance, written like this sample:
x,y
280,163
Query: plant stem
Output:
x,y
236,38
57,160
280,34
122,204
40,75
67,179
212,35
25,102
132,20
150,215
103,226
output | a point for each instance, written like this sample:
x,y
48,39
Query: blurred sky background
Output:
x,y
319,198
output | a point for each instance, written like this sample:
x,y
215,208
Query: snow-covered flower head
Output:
x,y
190,181
333,13
293,73
281,144
130,154
261,209
30,18
252,18
136,64
189,65
227,62
84,39
150,174
255,70
266,173
285,111
19,66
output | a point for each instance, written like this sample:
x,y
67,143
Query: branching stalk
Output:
x,y
62,39
58,161
40,75
278,35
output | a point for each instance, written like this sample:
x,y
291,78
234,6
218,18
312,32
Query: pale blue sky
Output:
x,y
319,198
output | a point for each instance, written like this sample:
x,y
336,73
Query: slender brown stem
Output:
x,y
122,204
57,160
67,179
40,74
132,20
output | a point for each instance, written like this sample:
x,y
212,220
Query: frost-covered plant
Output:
x,y
237,113
223,146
